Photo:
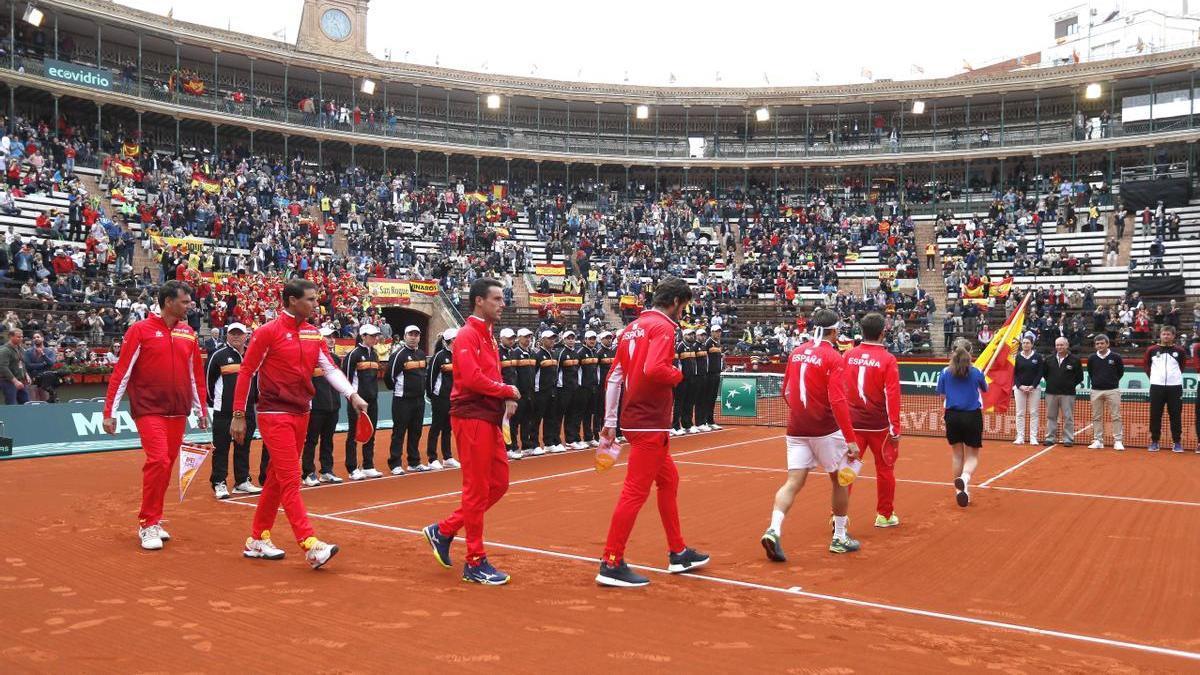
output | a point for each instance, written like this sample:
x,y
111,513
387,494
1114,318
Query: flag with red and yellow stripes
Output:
x,y
998,360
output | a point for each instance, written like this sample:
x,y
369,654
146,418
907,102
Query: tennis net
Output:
x,y
755,399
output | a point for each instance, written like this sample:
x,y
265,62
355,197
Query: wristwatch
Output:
x,y
239,414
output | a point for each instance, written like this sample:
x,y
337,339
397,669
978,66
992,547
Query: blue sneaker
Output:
x,y
482,572
440,544
1177,448
1153,446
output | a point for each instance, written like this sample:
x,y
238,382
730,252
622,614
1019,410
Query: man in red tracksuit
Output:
x,y
873,392
479,402
284,353
160,369
645,351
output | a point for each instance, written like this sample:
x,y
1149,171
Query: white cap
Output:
x,y
507,333
568,333
701,331
411,329
449,333
236,326
589,334
326,331
368,329
604,334
714,327
522,332
688,330
547,334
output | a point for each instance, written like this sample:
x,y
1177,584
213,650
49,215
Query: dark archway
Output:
x,y
402,317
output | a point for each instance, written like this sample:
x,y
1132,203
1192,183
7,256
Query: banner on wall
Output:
x,y
563,300
424,286
550,270
887,273
187,244
389,291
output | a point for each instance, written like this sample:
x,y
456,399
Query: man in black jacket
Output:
x,y
439,384
605,353
1064,373
714,351
509,356
685,359
1164,364
545,412
405,376
568,392
361,367
322,423
221,374
1105,369
589,388
524,428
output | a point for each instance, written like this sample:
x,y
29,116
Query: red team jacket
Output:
x,y
169,378
479,392
284,353
814,393
644,363
873,388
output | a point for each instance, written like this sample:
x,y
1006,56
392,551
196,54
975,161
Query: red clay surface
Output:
x,y
1117,576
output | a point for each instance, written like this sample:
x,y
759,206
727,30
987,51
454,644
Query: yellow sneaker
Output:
x,y
892,521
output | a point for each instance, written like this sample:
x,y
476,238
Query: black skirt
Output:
x,y
964,426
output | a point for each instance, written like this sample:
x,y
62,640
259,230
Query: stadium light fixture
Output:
x,y
33,16
368,87
762,114
643,112
918,107
1092,92
493,101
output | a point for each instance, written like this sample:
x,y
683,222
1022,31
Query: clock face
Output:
x,y
335,24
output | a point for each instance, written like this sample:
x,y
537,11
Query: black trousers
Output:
x,y
439,428
523,434
569,413
585,403
241,453
368,448
408,416
1172,398
706,398
321,425
597,411
683,404
543,416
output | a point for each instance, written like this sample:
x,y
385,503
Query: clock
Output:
x,y
335,24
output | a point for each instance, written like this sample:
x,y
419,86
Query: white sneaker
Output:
x,y
538,451
330,478
435,465
1096,445
372,473
705,427
558,448
420,468
674,432
621,439
1121,446
693,429
221,491
594,444
1019,441
1034,442
398,471
580,445
162,532
453,463
318,552
262,548
310,480
514,455
716,427
151,539
247,488
357,474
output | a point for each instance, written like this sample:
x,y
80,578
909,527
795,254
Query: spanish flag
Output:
x,y
130,149
974,294
1001,288
999,358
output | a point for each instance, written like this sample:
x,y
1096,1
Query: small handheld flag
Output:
x,y
363,429
606,455
191,457
506,430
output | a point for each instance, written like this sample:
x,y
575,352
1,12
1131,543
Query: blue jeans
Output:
x,y
12,395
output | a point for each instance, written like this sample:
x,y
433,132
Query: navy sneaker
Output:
x,y
686,560
620,576
482,572
1177,448
440,544
770,544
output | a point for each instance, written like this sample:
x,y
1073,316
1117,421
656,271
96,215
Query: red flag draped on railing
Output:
x,y
999,358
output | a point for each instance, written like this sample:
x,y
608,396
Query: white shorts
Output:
x,y
827,453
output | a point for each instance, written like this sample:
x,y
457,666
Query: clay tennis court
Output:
x,y
1076,561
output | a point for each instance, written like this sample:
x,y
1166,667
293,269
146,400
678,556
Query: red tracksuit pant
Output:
x,y
650,463
284,434
161,437
485,479
885,476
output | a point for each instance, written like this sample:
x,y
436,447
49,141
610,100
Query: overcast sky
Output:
x,y
780,43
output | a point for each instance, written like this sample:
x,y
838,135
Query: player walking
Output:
x,y
818,425
643,364
873,392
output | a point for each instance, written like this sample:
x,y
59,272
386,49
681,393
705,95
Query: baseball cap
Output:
x,y
326,331
713,328
568,333
411,329
688,330
236,326
547,334
449,333
590,334
701,331
604,334
368,329
522,332
507,333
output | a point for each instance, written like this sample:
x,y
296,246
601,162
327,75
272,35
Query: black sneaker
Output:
x,y
961,496
770,544
620,576
686,560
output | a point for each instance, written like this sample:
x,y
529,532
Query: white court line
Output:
x,y
539,478
795,591
411,474
1143,500
1027,460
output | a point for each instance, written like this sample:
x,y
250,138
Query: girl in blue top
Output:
x,y
962,384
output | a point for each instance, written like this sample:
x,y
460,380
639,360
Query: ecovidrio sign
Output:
x,y
76,74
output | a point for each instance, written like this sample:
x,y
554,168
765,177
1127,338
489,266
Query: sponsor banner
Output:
x,y
389,291
887,273
739,396
563,300
550,270
424,286
88,77
187,244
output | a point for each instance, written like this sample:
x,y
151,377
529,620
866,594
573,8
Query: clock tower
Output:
x,y
334,27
